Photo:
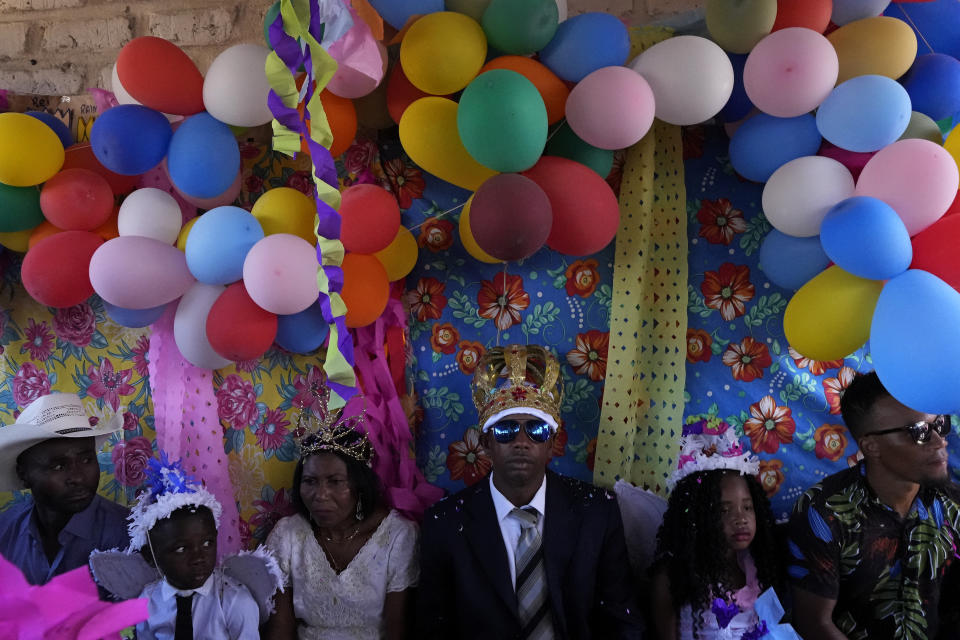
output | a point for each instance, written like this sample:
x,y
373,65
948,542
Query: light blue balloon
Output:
x,y
765,143
790,262
865,113
584,43
219,242
204,157
134,318
846,11
397,12
302,332
913,341
866,237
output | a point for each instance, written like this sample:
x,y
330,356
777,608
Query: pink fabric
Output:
x,y
748,594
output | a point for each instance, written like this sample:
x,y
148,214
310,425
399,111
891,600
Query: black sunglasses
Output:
x,y
920,431
507,430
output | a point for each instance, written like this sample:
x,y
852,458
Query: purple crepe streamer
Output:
x,y
724,612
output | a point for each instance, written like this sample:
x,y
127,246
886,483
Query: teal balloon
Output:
x,y
268,19
520,27
19,208
566,144
502,121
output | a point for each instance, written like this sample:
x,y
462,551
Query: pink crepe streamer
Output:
x,y
187,425
405,487
357,51
66,608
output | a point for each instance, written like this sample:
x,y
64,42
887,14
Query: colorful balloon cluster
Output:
x,y
857,191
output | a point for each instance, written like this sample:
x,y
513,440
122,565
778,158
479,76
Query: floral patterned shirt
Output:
x,y
883,570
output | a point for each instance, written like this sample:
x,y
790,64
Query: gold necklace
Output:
x,y
345,539
333,562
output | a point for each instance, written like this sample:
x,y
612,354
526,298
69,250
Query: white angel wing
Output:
x,y
259,572
122,574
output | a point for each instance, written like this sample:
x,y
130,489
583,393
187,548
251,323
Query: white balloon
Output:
x,y
235,89
562,9
190,326
691,78
152,213
799,194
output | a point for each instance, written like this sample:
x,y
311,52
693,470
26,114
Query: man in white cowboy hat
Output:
x,y
51,450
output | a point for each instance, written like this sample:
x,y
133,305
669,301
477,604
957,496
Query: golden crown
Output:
x,y
532,376
320,428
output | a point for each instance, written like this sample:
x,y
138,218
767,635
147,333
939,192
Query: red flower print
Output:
x,y
37,340
272,430
436,235
768,426
831,441
29,384
306,397
141,352
698,346
615,177
269,511
427,300
131,421
444,338
591,453
248,366
237,402
109,386
719,221
130,458
589,356
301,181
559,443
468,356
249,151
693,138
816,367
360,156
406,182
75,324
771,476
727,289
833,388
582,278
466,459
253,184
502,300
747,359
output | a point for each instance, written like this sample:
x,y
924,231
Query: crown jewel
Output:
x,y
711,444
532,376
320,428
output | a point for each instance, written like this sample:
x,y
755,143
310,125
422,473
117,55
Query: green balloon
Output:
x,y
268,19
472,8
19,208
566,144
502,121
922,126
520,27
737,25
946,125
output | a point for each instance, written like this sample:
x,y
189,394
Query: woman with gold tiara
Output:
x,y
349,562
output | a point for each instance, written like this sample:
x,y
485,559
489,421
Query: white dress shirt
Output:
x,y
510,527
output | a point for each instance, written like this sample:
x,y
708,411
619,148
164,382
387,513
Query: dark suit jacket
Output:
x,y
465,589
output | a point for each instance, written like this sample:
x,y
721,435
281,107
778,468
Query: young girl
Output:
x,y
716,549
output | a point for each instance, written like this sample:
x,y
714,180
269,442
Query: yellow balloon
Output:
x,y
466,237
880,46
428,133
829,317
30,152
184,232
737,25
952,144
400,256
442,52
286,210
16,240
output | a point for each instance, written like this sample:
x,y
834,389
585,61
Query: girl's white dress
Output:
x,y
746,620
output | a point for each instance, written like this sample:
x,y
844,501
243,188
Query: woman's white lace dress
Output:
x,y
348,605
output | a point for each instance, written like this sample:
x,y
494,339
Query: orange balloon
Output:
x,y
108,230
41,231
342,116
366,289
401,93
552,89
80,156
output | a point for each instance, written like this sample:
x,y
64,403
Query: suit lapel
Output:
x,y
486,542
561,529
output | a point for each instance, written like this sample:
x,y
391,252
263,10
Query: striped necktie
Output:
x,y
533,605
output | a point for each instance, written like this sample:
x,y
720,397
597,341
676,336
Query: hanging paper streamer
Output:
x,y
296,34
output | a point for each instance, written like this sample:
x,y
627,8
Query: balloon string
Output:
x,y
437,217
914,25
504,285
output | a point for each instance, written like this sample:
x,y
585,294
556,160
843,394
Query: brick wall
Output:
x,y
66,46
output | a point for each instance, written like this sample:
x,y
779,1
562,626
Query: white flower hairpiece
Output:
x,y
706,445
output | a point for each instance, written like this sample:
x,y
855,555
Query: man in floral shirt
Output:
x,y
870,545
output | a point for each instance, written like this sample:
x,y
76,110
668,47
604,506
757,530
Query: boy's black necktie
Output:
x,y
183,628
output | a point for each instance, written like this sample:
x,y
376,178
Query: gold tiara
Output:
x,y
532,377
320,428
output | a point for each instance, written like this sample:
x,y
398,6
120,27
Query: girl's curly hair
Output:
x,y
691,547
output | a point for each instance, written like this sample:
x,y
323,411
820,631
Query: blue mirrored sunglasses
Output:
x,y
507,430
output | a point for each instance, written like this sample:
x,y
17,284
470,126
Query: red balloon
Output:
x,y
586,213
810,14
80,156
237,328
77,199
935,250
366,289
370,218
56,270
954,206
510,217
158,74
401,93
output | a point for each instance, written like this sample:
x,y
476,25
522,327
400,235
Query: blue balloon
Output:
x,y
866,237
585,43
933,83
913,341
59,126
130,139
936,23
134,318
846,11
204,157
739,104
765,143
302,332
865,113
397,12
219,242
790,262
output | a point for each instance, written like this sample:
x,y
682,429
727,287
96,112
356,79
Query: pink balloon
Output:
x,y
611,108
916,177
510,216
157,178
280,273
855,161
135,272
790,72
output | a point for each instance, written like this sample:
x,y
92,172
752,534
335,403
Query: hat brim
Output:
x,y
514,411
17,438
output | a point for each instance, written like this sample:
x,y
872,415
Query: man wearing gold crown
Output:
x,y
527,553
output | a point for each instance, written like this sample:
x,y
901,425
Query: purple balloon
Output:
x,y
510,216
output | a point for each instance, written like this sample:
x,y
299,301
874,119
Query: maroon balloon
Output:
x,y
510,216
852,160
237,328
935,250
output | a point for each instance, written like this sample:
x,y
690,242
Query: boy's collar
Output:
x,y
169,591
